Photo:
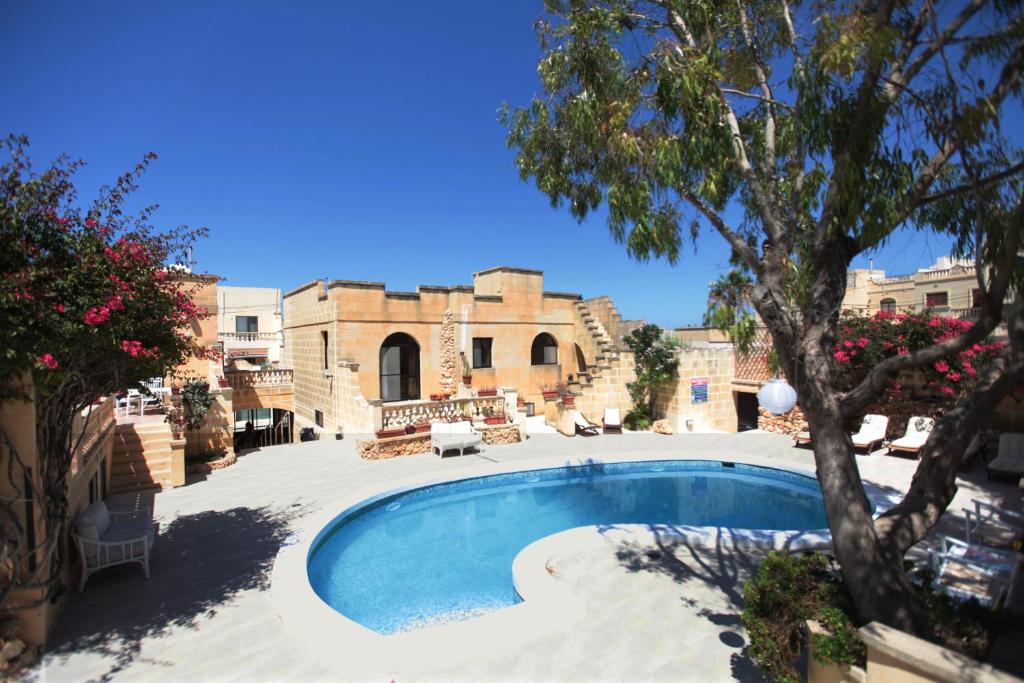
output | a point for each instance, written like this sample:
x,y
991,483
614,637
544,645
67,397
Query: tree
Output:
x,y
89,308
830,126
655,356
730,310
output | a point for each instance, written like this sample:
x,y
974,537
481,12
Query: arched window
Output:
x,y
888,305
399,368
544,351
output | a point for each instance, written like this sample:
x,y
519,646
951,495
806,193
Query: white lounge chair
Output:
x,y
918,430
585,426
872,431
991,525
802,438
971,571
454,436
612,422
106,538
1009,461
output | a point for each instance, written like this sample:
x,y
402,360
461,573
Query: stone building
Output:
x,y
358,350
949,287
249,324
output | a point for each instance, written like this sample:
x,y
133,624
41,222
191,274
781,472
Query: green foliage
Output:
x,y
787,591
638,420
656,361
730,310
196,400
467,368
841,644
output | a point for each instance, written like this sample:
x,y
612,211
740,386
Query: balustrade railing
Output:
x,y
425,412
245,379
247,336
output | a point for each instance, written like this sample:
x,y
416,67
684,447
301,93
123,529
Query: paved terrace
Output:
x,y
207,613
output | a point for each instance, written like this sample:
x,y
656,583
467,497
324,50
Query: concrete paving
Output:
x,y
206,612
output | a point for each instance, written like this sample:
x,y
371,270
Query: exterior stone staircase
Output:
x,y
609,366
143,458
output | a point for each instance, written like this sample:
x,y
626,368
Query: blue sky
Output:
x,y
348,140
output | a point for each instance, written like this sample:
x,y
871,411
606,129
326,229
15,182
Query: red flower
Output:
x,y
948,391
942,366
59,308
862,342
953,376
114,303
841,356
48,360
97,315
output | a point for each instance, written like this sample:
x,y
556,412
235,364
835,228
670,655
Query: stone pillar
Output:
x,y
447,379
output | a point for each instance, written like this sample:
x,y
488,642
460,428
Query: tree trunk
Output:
x,y
872,571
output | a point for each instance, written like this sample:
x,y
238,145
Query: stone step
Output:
x,y
140,456
133,487
148,480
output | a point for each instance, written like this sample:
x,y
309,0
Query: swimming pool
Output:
x,y
444,552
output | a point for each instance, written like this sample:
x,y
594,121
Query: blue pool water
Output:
x,y
444,552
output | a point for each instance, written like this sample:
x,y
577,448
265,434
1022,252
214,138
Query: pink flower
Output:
x,y
862,342
114,303
48,360
91,223
948,391
935,322
97,315
111,254
969,369
848,344
59,308
841,356
903,350
132,347
953,376
942,366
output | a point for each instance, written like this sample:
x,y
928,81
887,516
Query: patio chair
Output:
x,y
612,422
966,571
992,526
872,431
918,430
454,436
585,426
1009,461
106,538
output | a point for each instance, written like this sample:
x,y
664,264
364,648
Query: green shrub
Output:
x,y
787,591
637,420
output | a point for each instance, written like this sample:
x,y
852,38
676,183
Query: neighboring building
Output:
x,y
249,324
949,287
357,349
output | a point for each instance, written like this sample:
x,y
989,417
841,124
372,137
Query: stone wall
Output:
x,y
217,433
498,435
675,402
382,449
790,423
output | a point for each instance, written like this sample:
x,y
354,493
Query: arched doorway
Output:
x,y
581,360
544,350
399,368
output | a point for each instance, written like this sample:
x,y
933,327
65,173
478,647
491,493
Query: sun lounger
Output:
x,y
872,431
454,436
992,526
967,571
585,426
1009,461
802,438
612,422
918,430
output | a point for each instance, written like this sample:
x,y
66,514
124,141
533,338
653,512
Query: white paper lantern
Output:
x,y
777,397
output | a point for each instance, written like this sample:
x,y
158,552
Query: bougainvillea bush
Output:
x,y
89,307
864,341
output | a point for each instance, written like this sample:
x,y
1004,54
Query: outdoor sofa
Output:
x,y
106,538
451,436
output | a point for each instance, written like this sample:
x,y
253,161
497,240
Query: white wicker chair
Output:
x,y
106,538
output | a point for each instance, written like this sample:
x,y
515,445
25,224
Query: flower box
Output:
x,y
438,397
569,400
422,428
484,393
549,395
495,419
223,382
388,433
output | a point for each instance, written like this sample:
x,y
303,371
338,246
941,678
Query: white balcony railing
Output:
x,y
245,379
248,336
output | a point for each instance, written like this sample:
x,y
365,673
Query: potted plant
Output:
x,y
467,371
487,391
568,398
438,397
549,391
224,382
520,402
493,417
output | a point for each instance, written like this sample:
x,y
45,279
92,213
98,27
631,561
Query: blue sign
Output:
x,y
699,390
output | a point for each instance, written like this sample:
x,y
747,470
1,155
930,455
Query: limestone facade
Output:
x,y
335,330
712,367
249,323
